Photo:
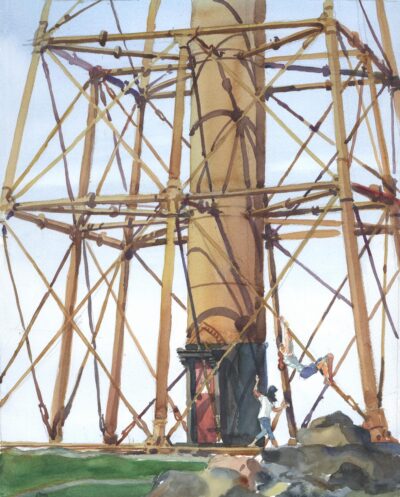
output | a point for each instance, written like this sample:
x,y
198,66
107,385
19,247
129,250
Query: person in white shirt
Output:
x,y
264,417
323,364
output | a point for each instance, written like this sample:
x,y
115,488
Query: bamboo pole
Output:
x,y
275,45
61,383
93,200
163,350
389,184
287,394
23,111
290,203
388,48
189,32
111,419
68,229
117,52
375,421
311,56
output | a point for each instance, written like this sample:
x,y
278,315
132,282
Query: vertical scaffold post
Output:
x,y
287,394
173,193
23,110
376,421
389,185
60,387
111,417
388,48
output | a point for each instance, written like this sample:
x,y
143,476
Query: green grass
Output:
x,y
101,491
24,471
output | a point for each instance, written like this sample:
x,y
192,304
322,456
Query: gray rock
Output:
x,y
179,484
246,467
305,489
239,491
226,473
335,435
332,419
333,430
350,475
264,480
377,470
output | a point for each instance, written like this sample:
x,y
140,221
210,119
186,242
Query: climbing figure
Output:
x,y
323,364
264,417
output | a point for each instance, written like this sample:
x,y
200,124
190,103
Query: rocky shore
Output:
x,y
334,458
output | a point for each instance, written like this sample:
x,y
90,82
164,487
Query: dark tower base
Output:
x,y
227,410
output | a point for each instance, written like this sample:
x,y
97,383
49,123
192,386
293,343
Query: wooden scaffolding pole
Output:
x,y
111,418
188,32
60,387
173,192
23,111
388,49
287,394
389,184
375,420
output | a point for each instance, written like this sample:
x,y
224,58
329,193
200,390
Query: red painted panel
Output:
x,y
206,427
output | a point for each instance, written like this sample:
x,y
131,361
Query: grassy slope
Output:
x,y
24,471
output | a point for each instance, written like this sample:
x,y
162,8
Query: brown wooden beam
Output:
x,y
117,52
376,420
310,56
68,229
112,212
61,383
388,49
189,32
24,107
292,203
111,418
315,210
355,42
389,184
303,235
325,85
93,200
275,45
287,394
305,222
163,349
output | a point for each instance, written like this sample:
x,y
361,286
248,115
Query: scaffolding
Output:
x,y
175,201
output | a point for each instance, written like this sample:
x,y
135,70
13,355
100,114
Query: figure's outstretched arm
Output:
x,y
283,405
287,337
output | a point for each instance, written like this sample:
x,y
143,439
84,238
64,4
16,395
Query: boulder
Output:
x,y
246,466
335,418
305,489
333,430
350,475
368,468
238,491
333,436
179,484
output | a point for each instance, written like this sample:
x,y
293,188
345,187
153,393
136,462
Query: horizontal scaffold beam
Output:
x,y
67,229
148,240
117,52
92,200
315,210
310,56
189,32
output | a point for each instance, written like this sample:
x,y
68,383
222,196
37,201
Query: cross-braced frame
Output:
x,y
138,195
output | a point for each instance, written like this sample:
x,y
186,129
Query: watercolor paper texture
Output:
x,y
199,200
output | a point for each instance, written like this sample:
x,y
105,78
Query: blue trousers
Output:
x,y
266,429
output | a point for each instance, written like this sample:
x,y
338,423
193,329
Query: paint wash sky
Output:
x,y
302,299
